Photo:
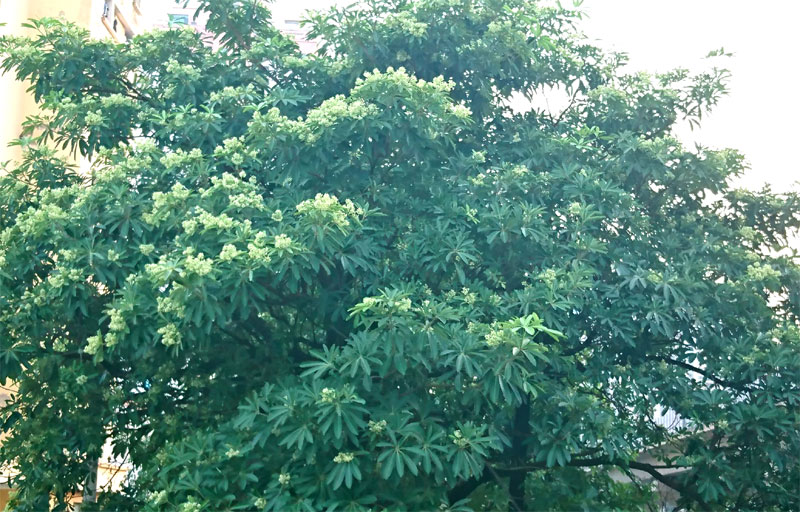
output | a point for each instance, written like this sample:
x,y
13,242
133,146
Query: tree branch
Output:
x,y
741,386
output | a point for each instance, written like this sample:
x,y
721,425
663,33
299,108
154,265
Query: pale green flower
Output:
x,y
343,457
282,241
494,337
760,272
376,427
190,226
117,321
229,253
461,111
93,344
159,497
170,335
258,255
458,439
199,265
167,305
327,395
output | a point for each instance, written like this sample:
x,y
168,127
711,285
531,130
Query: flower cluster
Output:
x,y
185,71
461,111
282,242
61,277
329,113
494,337
326,208
407,23
229,252
36,221
169,306
94,119
548,276
180,158
400,79
93,344
459,439
116,101
232,94
163,203
170,335
250,200
117,321
209,221
199,265
761,272
343,457
328,396
376,427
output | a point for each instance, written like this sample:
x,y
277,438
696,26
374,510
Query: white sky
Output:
x,y
761,114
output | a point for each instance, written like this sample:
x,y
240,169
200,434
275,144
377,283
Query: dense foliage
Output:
x,y
360,279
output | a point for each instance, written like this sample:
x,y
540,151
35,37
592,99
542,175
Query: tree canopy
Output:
x,y
365,278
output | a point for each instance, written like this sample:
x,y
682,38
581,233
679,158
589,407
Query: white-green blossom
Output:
x,y
199,265
93,344
761,272
343,457
170,335
229,252
117,321
282,241
327,395
376,427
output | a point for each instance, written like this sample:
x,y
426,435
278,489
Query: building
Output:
x,y
5,390
286,16
118,20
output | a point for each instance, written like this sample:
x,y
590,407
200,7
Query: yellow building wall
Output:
x,y
3,498
17,104
6,388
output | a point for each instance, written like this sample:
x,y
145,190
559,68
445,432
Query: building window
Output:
x,y
178,19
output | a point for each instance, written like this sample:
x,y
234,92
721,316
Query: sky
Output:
x,y
760,115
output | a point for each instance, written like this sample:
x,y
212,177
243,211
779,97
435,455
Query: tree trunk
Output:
x,y
521,432
90,487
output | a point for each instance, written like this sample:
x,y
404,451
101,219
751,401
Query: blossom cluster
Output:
x,y
326,209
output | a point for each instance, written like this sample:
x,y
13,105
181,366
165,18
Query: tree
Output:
x,y
359,279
